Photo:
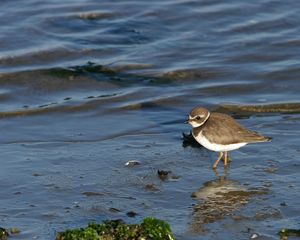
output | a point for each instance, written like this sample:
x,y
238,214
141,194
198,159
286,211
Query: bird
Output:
x,y
221,133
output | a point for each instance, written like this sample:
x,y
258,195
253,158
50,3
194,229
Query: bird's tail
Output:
x,y
268,139
264,139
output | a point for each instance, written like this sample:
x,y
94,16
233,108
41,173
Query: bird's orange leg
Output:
x,y
218,160
226,159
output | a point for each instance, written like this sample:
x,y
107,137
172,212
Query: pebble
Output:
x,y
162,174
112,209
131,214
132,163
151,187
254,235
15,230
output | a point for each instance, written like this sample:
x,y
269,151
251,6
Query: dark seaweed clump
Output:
x,y
285,233
3,233
189,141
149,229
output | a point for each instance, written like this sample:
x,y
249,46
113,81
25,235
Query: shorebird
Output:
x,y
221,133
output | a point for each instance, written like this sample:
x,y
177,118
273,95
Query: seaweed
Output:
x,y
285,233
189,140
91,67
3,234
150,228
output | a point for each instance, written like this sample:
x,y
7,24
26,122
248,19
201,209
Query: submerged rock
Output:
x,y
95,15
248,110
266,213
92,194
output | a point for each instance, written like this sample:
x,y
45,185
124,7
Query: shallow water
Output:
x,y
86,87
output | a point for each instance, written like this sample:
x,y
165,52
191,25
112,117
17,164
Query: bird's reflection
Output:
x,y
217,199
219,177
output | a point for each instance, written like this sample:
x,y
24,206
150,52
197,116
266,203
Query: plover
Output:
x,y
221,133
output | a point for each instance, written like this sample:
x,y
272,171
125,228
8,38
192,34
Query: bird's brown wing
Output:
x,y
224,129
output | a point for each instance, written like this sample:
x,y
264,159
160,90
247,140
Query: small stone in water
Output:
x,y
162,174
112,209
151,186
15,230
132,163
254,235
76,205
131,214
90,194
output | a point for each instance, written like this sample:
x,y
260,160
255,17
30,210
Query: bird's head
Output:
x,y
198,116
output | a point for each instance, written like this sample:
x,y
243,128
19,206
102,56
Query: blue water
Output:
x,y
86,86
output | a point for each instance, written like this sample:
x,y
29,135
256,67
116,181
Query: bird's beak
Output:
x,y
187,121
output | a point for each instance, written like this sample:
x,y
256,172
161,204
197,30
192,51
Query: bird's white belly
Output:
x,y
216,147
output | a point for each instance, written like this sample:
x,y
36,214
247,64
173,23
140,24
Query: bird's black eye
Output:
x,y
198,118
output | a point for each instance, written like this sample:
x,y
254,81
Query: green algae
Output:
x,y
150,228
3,234
156,229
285,233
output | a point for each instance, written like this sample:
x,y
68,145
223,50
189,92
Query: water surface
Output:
x,y
87,86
